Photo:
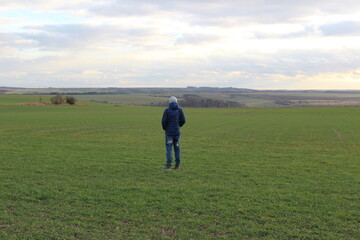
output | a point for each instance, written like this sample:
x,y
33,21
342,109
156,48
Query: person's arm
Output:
x,y
181,118
164,120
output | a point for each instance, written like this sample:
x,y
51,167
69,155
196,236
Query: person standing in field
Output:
x,y
173,119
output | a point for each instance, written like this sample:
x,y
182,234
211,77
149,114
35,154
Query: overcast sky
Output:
x,y
260,44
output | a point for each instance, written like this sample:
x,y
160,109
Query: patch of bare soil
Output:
x,y
32,104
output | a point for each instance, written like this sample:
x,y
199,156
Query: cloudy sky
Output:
x,y
260,44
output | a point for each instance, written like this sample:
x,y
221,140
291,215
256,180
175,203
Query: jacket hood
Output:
x,y
173,106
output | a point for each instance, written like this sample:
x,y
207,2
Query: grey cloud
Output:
x,y
18,3
216,12
308,31
289,63
14,40
201,12
11,64
6,38
80,35
196,38
54,5
197,9
254,69
251,67
341,28
113,8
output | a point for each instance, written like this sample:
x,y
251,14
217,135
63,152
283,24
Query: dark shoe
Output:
x,y
167,167
177,167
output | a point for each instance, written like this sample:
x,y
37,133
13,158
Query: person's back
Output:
x,y
173,119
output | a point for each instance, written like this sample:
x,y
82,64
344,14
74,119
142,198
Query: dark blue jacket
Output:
x,y
173,118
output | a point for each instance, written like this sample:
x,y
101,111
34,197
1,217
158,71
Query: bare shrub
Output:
x,y
58,99
70,100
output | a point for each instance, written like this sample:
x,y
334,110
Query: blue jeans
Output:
x,y
169,142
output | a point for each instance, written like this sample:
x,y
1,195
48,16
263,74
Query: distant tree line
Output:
x,y
83,93
192,100
284,102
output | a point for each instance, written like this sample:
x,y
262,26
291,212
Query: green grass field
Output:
x,y
16,99
93,172
126,99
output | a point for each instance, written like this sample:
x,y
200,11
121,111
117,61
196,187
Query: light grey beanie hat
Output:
x,y
172,99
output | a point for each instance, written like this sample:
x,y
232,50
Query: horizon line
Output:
x,y
187,87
